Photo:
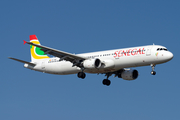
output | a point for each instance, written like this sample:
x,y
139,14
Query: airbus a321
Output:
x,y
117,62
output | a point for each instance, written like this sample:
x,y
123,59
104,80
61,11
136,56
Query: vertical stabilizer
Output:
x,y
36,53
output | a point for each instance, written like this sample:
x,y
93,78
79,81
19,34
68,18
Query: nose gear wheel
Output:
x,y
153,67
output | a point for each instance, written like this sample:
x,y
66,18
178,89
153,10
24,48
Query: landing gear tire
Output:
x,y
153,67
106,82
153,73
81,75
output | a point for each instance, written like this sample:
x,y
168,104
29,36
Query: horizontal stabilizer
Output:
x,y
22,61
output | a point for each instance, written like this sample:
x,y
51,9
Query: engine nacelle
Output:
x,y
92,63
129,74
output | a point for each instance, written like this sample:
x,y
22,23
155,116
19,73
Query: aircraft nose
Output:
x,y
170,56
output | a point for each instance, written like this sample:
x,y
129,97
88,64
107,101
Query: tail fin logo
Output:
x,y
36,53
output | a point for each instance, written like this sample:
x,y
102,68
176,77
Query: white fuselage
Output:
x,y
113,59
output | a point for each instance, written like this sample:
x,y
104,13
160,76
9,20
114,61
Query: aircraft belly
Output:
x,y
61,68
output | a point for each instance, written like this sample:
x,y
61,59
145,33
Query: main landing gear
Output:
x,y
153,67
81,75
106,81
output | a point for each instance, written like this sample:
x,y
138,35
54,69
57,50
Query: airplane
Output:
x,y
118,61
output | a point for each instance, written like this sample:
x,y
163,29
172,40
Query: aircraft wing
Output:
x,y
57,53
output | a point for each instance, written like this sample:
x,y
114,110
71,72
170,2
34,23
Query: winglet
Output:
x,y
24,42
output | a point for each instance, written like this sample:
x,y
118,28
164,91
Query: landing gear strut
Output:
x,y
106,81
153,67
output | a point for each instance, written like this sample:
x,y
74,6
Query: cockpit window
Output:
x,y
160,49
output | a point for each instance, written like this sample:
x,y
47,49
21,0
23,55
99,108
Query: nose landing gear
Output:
x,y
153,67
153,73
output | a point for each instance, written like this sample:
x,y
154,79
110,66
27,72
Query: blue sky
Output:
x,y
86,26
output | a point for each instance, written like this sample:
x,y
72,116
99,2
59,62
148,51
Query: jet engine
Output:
x,y
129,74
92,63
